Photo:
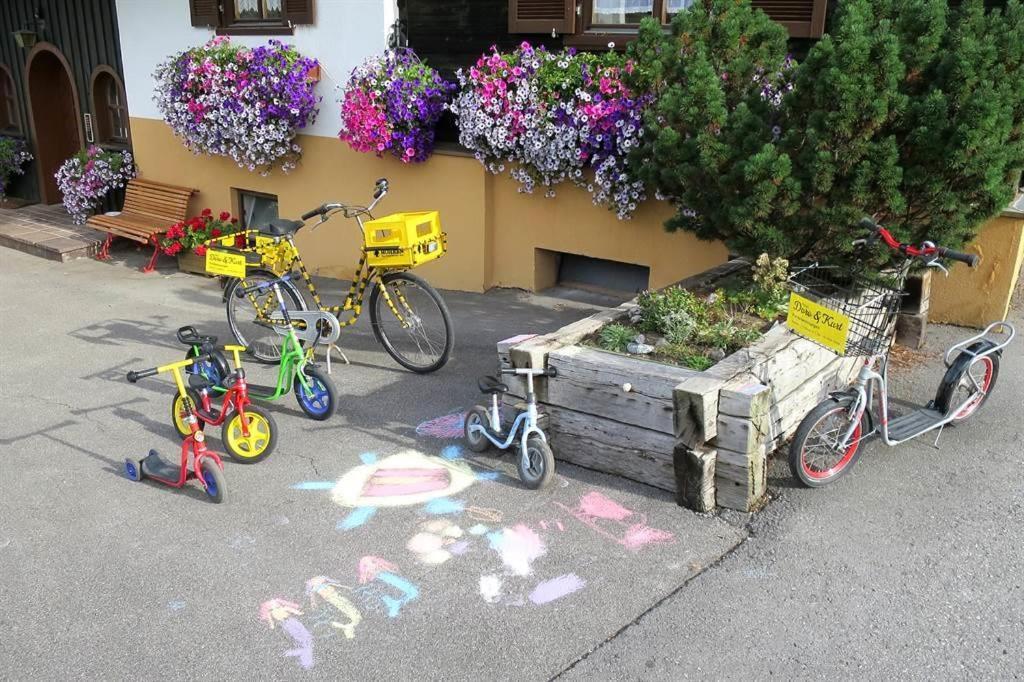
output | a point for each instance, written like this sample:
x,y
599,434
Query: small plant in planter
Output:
x,y
244,103
13,157
88,176
187,240
392,104
697,329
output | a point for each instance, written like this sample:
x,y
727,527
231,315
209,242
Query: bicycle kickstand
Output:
x,y
327,355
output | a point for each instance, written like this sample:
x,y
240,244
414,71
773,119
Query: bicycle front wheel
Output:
x,y
250,316
412,322
815,457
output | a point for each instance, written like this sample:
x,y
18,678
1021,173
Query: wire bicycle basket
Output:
x,y
852,314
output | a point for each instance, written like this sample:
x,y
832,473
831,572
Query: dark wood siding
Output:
x,y
85,31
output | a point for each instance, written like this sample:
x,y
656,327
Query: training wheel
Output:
x,y
133,469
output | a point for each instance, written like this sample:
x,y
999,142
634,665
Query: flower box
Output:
x,y
703,435
188,261
313,74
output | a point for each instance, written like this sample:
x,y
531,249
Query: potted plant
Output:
x,y
392,103
244,103
187,240
13,157
88,176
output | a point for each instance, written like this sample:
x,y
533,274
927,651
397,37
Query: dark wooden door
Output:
x,y
54,118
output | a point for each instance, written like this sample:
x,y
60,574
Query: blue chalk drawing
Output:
x,y
478,529
369,457
488,475
314,485
444,505
451,452
356,518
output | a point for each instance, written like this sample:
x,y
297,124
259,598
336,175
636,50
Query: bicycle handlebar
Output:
x,y
925,250
133,376
380,189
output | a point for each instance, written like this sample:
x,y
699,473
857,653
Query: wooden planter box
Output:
x,y
704,436
188,261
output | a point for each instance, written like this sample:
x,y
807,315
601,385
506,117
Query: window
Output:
x,y
109,109
595,23
9,119
251,17
257,209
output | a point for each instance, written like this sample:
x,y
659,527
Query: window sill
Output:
x,y
256,30
599,40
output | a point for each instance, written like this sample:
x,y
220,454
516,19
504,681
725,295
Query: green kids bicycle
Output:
x,y
313,388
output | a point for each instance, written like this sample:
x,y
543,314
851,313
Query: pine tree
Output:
x,y
908,110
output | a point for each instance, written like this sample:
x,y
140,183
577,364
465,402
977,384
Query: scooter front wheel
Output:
x,y
815,459
213,480
475,440
537,465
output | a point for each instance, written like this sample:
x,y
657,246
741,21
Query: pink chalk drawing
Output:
x,y
447,427
518,547
607,517
285,613
550,590
330,591
374,572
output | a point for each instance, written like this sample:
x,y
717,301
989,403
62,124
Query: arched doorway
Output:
x,y
53,106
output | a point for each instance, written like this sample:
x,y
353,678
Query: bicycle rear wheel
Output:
x,y
250,315
415,328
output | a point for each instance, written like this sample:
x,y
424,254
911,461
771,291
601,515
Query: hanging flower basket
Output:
x,y
552,117
392,104
244,103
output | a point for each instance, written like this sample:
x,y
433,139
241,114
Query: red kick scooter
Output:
x,y
206,464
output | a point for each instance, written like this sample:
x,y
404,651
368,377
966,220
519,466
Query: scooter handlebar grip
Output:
x,y
135,376
868,224
969,259
316,211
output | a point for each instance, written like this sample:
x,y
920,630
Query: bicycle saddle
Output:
x,y
280,227
199,382
490,384
190,337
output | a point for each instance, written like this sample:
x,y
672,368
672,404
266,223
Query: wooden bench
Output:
x,y
149,209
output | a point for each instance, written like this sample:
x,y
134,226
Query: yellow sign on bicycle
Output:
x,y
225,263
819,324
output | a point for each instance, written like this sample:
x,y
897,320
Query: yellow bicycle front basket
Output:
x,y
404,240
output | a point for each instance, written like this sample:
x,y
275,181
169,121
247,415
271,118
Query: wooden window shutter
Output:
x,y
802,18
204,12
299,11
542,16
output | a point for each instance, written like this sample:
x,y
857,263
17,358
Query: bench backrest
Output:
x,y
166,202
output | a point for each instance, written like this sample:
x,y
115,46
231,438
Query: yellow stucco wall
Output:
x,y
493,231
974,297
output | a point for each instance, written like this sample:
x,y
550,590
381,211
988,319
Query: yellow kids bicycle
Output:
x,y
409,317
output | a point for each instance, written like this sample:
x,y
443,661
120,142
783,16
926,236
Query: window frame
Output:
x,y
10,105
232,24
591,35
104,78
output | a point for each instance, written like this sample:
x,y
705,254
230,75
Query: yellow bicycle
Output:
x,y
408,316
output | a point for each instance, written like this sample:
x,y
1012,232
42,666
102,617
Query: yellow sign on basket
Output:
x,y
818,323
225,263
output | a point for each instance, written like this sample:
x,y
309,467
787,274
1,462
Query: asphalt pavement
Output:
x,y
370,546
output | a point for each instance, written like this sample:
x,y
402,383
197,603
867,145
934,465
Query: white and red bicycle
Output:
x,y
830,438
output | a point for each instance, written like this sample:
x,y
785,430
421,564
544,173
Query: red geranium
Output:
x,y
195,232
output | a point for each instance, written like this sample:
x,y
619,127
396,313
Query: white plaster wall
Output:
x,y
345,33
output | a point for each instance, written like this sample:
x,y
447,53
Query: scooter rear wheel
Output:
x,y
477,416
